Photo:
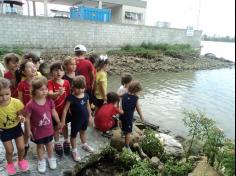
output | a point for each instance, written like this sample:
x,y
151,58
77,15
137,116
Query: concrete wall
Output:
x,y
64,34
116,14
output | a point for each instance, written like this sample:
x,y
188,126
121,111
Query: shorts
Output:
x,y
98,102
90,94
76,127
12,133
44,140
127,126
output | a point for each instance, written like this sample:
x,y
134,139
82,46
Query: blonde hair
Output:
x,y
68,59
37,84
135,87
4,83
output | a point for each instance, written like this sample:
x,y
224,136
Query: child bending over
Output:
x,y
130,103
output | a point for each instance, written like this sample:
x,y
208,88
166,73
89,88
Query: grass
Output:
x,y
149,50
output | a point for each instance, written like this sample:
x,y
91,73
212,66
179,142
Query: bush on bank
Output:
x,y
149,50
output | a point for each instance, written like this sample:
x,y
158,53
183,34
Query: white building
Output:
x,y
11,7
123,11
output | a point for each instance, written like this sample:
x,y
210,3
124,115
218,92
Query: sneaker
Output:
x,y
42,166
75,156
23,165
26,150
87,148
107,134
52,163
11,170
66,148
58,149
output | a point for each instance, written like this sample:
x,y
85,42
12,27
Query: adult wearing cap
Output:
x,y
84,67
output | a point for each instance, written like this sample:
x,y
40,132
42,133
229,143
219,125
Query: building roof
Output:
x,y
135,3
17,2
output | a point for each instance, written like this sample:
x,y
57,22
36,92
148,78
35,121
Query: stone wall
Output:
x,y
64,34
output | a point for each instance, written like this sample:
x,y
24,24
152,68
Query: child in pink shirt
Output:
x,y
39,112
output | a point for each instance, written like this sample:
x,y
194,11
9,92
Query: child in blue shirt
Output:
x,y
130,103
78,104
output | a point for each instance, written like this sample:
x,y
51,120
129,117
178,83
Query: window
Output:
x,y
133,16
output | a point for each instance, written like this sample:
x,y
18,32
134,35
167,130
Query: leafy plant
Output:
x,y
128,159
152,146
173,168
198,125
213,145
142,168
226,158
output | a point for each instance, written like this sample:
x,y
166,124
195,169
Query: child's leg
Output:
x,y
66,144
73,142
40,152
20,147
85,146
9,151
74,153
58,146
83,137
56,134
49,148
127,139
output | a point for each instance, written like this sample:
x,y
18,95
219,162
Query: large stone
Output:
x,y
172,147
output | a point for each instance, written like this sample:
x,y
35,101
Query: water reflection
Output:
x,y
166,95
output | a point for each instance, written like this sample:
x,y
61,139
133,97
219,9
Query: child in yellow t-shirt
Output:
x,y
101,82
10,127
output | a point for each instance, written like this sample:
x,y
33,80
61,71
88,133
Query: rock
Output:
x,y
172,146
137,148
210,55
155,161
180,138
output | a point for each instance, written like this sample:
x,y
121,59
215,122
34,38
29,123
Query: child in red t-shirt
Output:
x,y
59,89
11,62
28,70
104,120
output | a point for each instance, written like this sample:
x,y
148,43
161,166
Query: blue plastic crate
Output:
x,y
91,14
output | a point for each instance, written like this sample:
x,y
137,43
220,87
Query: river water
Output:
x,y
166,95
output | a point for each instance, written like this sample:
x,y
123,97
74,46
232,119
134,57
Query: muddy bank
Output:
x,y
120,64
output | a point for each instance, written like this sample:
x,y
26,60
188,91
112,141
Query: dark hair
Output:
x,y
101,63
38,83
11,57
93,58
79,82
32,57
80,53
112,97
19,72
135,87
56,66
126,78
4,83
44,69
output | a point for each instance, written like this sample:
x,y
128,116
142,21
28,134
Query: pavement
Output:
x,y
65,164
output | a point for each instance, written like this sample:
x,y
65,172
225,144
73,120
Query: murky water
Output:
x,y
166,95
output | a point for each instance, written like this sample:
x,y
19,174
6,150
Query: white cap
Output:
x,y
80,48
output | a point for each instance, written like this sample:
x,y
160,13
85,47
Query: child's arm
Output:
x,y
139,111
20,116
56,118
64,113
53,95
20,96
91,74
90,113
27,123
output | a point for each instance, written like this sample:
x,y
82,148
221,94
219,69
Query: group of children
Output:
x,y
46,102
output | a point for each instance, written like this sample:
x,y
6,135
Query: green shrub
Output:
x,y
142,169
128,159
173,168
226,158
4,51
152,146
